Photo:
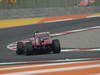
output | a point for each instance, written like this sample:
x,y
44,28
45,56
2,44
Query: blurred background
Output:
x,y
40,8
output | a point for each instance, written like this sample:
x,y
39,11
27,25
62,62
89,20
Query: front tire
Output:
x,y
20,48
28,48
56,46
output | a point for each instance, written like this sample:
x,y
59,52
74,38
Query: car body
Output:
x,y
39,45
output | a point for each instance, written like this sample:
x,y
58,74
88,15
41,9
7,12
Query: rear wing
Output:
x,y
42,34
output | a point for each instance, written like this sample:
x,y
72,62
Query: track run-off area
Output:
x,y
56,67
75,58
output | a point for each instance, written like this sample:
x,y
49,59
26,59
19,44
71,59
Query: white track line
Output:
x,y
68,19
10,63
54,70
62,60
41,65
93,16
62,33
59,20
78,50
96,74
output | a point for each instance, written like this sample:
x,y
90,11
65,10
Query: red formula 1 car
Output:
x,y
41,44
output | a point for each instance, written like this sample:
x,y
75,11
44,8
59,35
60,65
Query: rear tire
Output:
x,y
28,48
20,48
56,46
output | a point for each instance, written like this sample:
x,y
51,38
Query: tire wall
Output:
x,y
38,8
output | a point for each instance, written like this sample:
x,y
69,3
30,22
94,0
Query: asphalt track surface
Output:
x,y
10,35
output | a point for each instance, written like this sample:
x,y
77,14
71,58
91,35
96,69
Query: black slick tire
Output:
x,y
20,48
56,46
28,48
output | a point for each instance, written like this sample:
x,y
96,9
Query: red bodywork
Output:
x,y
39,42
41,39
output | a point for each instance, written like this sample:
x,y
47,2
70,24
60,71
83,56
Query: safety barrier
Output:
x,y
6,4
10,9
